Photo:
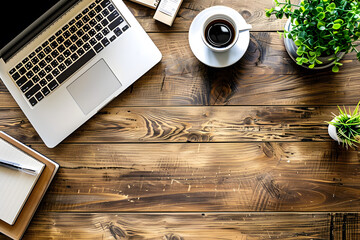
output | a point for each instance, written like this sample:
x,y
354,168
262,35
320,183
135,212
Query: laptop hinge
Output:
x,y
32,33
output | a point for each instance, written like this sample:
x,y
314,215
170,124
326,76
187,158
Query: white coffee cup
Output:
x,y
232,27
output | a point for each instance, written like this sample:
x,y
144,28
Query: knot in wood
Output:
x,y
173,237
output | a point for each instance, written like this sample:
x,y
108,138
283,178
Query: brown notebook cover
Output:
x,y
17,230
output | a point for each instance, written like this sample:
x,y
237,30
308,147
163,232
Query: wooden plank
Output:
x,y
252,10
204,177
188,124
265,76
345,226
171,226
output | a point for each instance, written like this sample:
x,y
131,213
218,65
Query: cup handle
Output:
x,y
245,28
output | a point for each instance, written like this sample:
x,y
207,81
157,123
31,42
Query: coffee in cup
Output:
x,y
220,32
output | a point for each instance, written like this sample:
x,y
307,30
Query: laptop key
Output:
x,y
25,60
58,33
65,27
87,47
32,54
35,79
92,5
12,71
29,74
16,76
21,81
105,3
67,34
47,50
98,47
113,15
92,13
115,23
32,91
105,12
35,60
98,36
62,67
74,57
36,69
86,28
33,101
85,11
42,64
43,82
68,62
45,91
112,38
98,8
105,31
76,66
61,48
22,71
117,31
67,53
49,77
93,41
80,52
27,86
111,7
41,55
61,58
28,65
42,74
53,85
19,66
39,96
55,72
38,49
105,42
125,28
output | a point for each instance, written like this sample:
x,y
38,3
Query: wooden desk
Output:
x,y
191,152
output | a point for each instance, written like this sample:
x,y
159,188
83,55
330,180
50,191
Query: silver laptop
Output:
x,y
63,60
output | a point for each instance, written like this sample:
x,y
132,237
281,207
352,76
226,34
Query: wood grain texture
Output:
x,y
264,76
188,124
193,152
204,177
242,226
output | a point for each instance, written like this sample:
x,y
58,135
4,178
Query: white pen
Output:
x,y
17,166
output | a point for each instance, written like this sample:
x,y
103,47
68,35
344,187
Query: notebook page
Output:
x,y
15,186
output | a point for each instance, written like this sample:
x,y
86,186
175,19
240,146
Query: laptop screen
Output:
x,y
21,15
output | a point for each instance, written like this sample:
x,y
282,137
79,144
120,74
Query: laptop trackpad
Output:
x,y
94,86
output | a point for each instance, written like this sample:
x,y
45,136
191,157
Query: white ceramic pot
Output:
x,y
291,49
333,132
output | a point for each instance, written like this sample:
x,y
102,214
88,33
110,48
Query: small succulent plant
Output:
x,y
347,126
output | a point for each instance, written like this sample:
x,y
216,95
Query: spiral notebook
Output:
x,y
21,193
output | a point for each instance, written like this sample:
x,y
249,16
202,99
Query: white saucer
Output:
x,y
203,53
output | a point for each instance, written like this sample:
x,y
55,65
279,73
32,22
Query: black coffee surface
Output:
x,y
219,33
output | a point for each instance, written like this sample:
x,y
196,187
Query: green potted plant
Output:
x,y
319,32
345,127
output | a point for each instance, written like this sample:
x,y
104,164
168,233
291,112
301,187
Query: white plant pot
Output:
x,y
333,133
291,49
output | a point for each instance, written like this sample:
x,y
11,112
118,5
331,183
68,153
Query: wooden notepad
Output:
x,y
17,230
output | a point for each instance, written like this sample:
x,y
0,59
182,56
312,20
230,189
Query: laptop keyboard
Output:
x,y
72,46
